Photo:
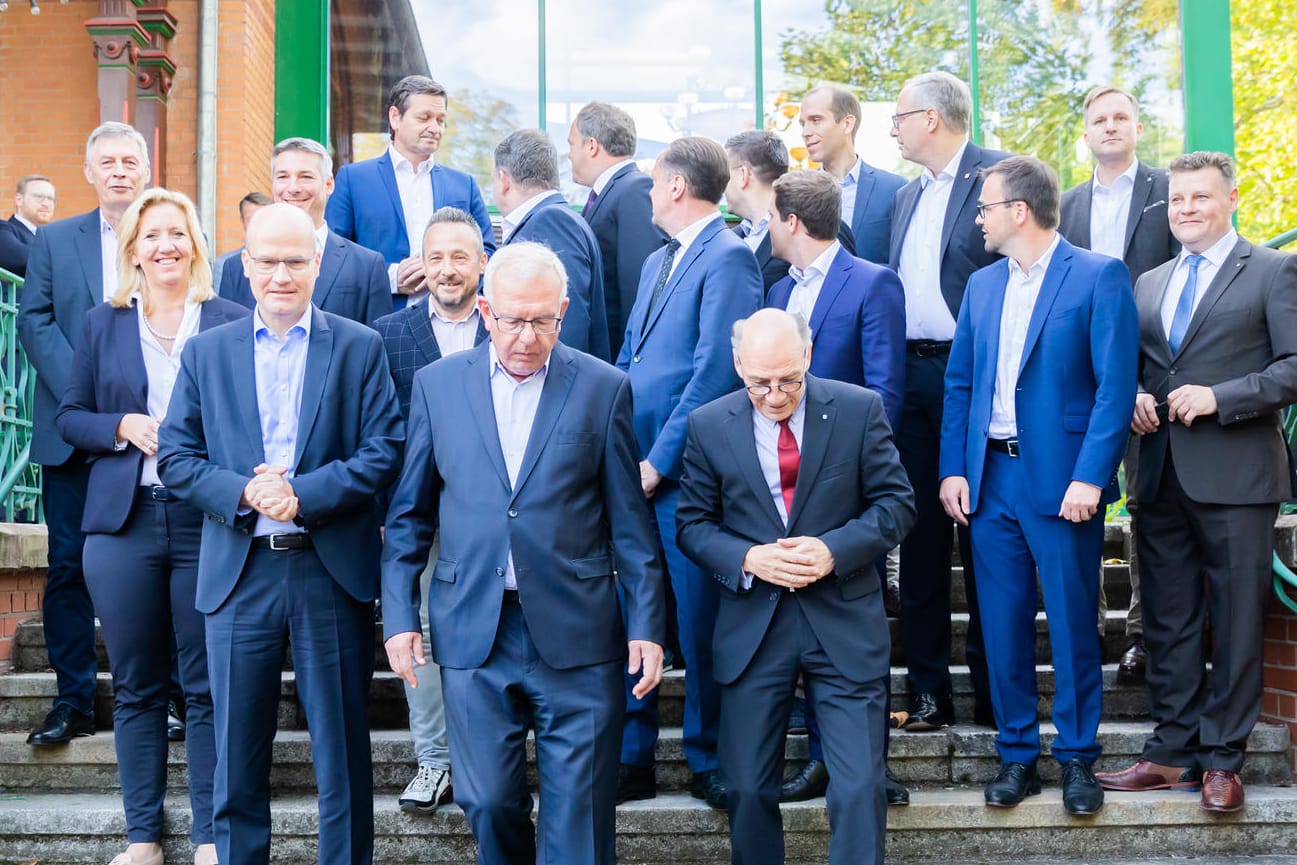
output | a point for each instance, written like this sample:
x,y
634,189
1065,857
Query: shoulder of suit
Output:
x,y
71,224
350,247
400,318
104,312
346,330
733,403
841,392
235,311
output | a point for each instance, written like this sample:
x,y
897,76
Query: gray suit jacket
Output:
x,y
1242,342
1149,241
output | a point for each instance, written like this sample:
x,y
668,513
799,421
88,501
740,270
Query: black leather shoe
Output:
x,y
708,787
636,782
1081,792
175,726
62,725
928,712
897,793
810,783
1015,782
1133,662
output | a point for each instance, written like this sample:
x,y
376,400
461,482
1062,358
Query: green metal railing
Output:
x,y
20,479
1284,578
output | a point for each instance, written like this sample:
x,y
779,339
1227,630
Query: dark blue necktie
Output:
x,y
672,248
1184,309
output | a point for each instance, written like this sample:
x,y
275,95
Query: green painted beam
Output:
x,y
759,85
542,74
1208,75
302,69
974,76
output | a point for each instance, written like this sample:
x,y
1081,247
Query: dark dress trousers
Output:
x,y
556,225
852,494
678,357
621,218
141,564
1209,496
352,282
321,597
926,552
550,656
15,245
64,282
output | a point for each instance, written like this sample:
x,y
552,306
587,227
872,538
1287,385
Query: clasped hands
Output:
x,y
1185,404
270,493
793,563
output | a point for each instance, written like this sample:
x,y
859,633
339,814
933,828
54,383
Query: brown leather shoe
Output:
x,y
1222,790
1147,776
1133,661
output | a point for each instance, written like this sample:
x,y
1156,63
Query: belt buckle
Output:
x,y
274,543
1013,446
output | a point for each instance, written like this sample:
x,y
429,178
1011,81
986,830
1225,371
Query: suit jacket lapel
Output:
x,y
690,256
743,444
1059,265
126,341
319,355
387,174
834,281
90,252
330,266
906,200
553,396
477,387
419,318
965,179
589,212
764,252
1139,194
817,425
1232,267
1081,233
243,378
865,184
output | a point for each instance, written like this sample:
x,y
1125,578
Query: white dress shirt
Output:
x,y
515,411
454,336
1213,257
601,182
414,187
108,255
848,185
756,233
1020,295
807,283
321,237
1109,210
687,236
161,369
518,214
31,226
927,316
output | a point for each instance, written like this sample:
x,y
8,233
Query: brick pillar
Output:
x,y
118,38
153,86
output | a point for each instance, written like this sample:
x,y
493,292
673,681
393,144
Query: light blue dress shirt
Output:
x,y
280,368
515,403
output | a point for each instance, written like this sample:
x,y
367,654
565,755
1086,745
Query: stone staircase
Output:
x,y
62,805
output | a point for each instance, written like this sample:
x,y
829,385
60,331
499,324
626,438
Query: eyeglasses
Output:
x,y
896,118
39,197
539,326
782,387
268,266
983,208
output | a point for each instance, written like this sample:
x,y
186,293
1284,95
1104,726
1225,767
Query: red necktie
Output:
x,y
789,460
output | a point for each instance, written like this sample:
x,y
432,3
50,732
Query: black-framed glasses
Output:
x,y
983,208
782,387
896,118
540,326
268,266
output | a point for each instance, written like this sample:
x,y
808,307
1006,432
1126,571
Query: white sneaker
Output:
x,y
429,788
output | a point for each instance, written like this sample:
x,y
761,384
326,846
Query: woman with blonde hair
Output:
x,y
141,552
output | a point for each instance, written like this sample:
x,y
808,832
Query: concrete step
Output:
x,y
956,755
25,698
1116,582
938,826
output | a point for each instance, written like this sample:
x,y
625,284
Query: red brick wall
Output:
x,y
1279,702
20,599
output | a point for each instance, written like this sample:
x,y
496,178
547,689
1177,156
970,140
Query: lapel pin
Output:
x,y
967,174
824,417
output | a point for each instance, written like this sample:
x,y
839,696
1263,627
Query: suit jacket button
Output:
x,y
499,572
774,596
635,358
1171,371
512,513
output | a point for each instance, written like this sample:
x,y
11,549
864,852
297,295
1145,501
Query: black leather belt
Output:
x,y
1004,446
927,347
158,493
280,543
511,597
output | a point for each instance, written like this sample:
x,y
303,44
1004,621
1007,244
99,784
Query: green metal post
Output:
x,y
760,83
1208,75
302,69
541,95
974,79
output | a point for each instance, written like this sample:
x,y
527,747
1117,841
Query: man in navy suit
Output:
x,y
830,119
248,205
792,489
525,184
691,292
33,207
384,203
936,245
1039,389
601,147
1121,212
522,454
282,432
73,268
351,283
447,323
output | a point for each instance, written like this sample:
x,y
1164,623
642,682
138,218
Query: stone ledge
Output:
x,y
23,546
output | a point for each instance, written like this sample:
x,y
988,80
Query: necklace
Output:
x,y
156,335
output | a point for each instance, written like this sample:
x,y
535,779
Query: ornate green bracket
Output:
x,y
20,480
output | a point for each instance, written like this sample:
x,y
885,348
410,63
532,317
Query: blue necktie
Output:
x,y
672,248
1184,309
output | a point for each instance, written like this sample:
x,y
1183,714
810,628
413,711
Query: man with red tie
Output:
x,y
791,491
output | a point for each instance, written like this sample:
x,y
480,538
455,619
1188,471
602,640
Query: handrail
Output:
x,y
1282,574
1281,240
20,479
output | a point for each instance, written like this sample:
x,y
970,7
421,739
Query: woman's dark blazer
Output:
x,y
108,381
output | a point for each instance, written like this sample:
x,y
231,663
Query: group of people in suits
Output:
x,y
635,409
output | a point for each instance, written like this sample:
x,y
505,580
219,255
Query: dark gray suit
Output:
x,y
852,493
1208,497
1149,241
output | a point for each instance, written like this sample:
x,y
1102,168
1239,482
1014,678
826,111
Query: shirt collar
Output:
x,y
31,226
1040,265
601,182
400,162
820,266
1217,252
949,172
519,213
1125,179
436,315
690,232
104,227
321,237
794,419
259,326
498,369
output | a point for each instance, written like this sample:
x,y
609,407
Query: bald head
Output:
x,y
284,220
281,264
772,351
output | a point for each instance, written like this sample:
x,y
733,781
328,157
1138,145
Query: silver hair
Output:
x,y
803,329
112,129
944,92
525,259
304,145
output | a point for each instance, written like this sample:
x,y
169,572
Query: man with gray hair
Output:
x,y
790,492
72,268
601,146
936,246
353,279
522,455
525,183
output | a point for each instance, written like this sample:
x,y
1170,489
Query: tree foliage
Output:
x,y
477,122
